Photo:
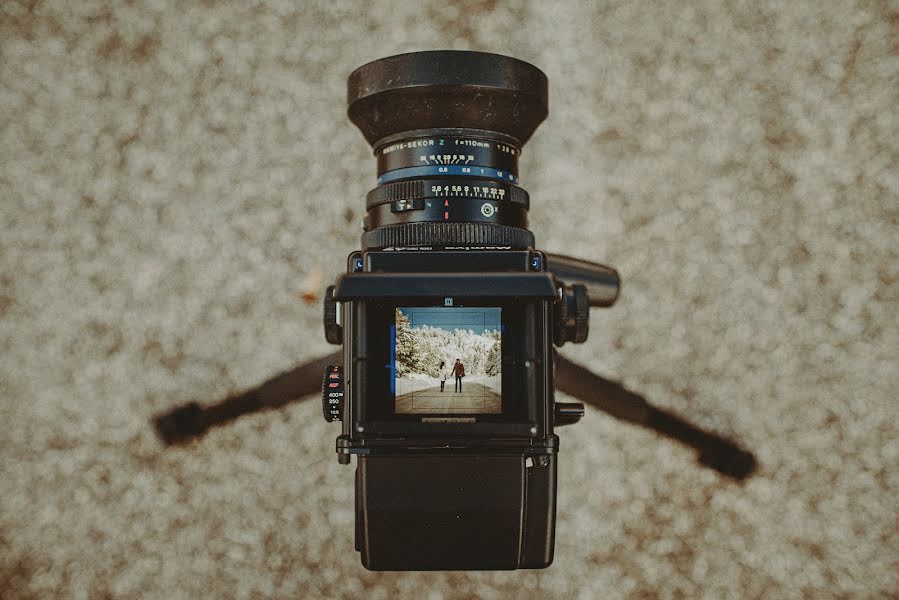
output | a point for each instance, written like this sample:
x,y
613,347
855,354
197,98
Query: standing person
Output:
x,y
459,372
442,369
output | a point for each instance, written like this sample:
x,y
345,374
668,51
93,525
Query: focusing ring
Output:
x,y
441,148
444,235
413,189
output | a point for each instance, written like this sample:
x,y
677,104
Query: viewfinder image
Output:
x,y
448,360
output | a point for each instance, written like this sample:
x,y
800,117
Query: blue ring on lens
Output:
x,y
442,170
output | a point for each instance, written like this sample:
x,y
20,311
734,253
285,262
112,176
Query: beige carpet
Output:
x,y
169,178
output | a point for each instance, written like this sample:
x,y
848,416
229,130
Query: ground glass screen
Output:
x,y
447,360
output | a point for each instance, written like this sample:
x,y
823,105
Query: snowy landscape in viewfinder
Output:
x,y
425,336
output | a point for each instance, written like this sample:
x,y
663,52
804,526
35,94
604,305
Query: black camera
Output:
x,y
448,317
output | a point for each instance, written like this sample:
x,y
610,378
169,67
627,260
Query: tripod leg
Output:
x,y
191,420
719,453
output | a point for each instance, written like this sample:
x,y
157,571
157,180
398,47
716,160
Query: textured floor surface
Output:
x,y
170,178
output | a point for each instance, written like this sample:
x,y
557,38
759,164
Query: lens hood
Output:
x,y
447,89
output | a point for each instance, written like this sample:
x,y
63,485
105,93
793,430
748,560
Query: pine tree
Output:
x,y
494,355
405,345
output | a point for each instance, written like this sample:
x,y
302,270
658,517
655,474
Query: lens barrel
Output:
x,y
447,128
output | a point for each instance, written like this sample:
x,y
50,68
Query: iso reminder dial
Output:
x,y
332,394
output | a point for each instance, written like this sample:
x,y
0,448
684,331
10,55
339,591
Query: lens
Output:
x,y
447,129
447,176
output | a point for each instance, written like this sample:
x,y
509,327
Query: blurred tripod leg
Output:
x,y
719,453
191,420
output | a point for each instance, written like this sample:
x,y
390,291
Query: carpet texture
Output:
x,y
173,176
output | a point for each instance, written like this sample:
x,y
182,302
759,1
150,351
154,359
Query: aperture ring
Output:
x,y
447,235
455,210
414,189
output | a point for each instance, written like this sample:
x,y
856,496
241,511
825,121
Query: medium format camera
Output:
x,y
448,316
447,319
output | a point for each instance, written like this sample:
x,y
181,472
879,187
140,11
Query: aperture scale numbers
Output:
x,y
476,191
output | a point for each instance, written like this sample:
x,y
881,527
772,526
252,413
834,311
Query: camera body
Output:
x,y
448,317
446,482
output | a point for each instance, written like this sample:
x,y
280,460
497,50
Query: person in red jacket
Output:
x,y
459,372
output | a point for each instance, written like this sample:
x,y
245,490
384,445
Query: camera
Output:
x,y
448,316
449,319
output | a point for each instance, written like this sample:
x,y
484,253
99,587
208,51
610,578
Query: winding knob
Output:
x,y
572,315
